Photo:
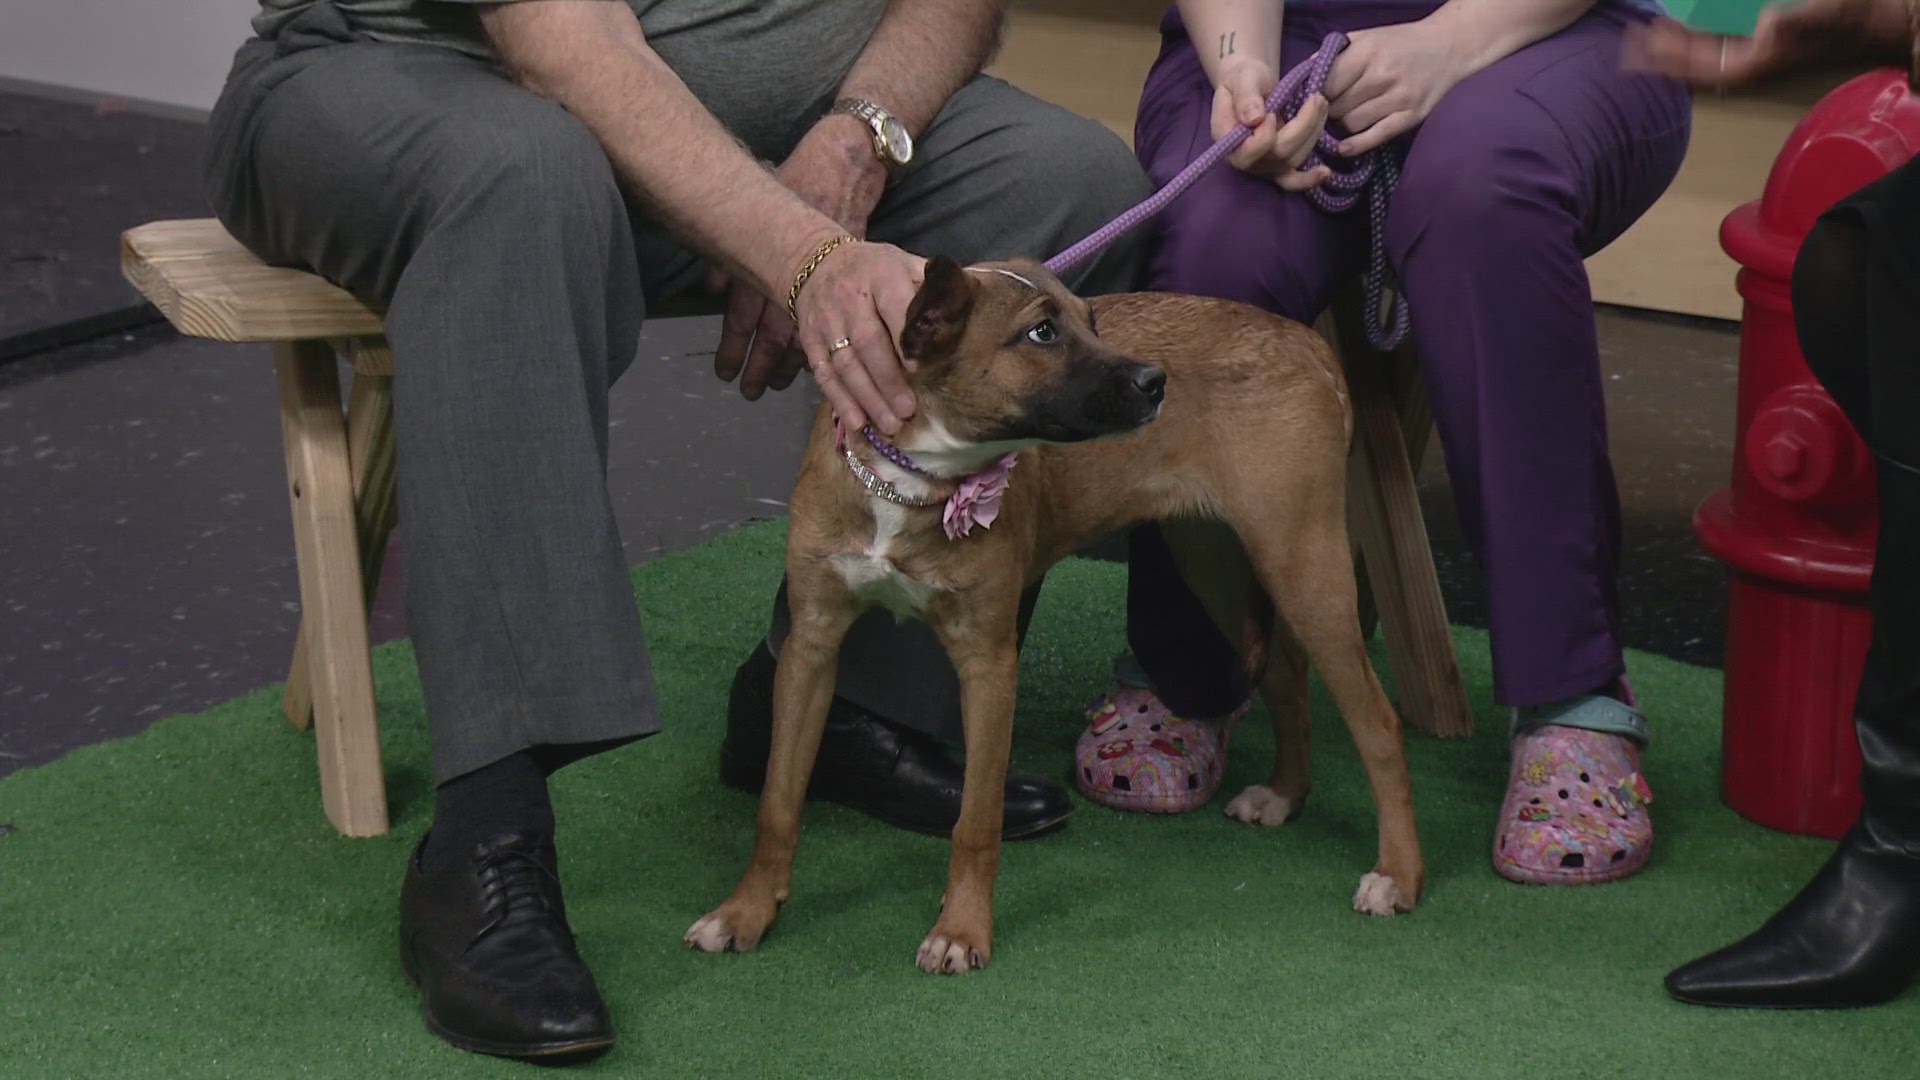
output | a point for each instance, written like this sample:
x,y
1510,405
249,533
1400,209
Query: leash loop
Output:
x,y
1373,174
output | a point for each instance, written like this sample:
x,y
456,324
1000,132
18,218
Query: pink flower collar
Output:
x,y
975,501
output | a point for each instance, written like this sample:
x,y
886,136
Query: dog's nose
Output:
x,y
1151,381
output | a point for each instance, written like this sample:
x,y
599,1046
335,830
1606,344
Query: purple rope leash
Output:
x,y
1374,174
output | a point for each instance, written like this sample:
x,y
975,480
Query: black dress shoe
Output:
x,y
490,949
901,776
1850,938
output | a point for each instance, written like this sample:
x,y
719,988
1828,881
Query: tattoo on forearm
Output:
x,y
1226,43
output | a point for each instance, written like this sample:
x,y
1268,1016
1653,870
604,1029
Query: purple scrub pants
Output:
x,y
1521,171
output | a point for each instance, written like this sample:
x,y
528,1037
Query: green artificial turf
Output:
x,y
174,905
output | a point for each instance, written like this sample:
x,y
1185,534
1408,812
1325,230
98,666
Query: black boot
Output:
x,y
1852,936
901,776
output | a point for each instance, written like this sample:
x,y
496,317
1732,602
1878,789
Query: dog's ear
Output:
x,y
939,312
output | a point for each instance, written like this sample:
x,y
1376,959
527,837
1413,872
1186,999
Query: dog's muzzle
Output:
x,y
1105,396
1151,383
1129,395
1137,393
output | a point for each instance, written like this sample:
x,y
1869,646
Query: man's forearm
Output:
x,y
1492,30
923,51
669,151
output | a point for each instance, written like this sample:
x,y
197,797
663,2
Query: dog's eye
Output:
x,y
1043,333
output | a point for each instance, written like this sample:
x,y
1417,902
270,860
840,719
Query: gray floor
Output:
x,y
71,178
146,562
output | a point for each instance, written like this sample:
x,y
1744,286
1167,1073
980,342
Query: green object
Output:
x,y
174,905
1719,16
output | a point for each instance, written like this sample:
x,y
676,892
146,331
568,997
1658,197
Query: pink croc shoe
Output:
x,y
1576,806
1136,755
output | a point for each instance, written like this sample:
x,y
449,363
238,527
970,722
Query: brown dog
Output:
x,y
1253,432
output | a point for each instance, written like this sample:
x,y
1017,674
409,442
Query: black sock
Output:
x,y
507,796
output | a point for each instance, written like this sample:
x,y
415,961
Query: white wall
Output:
x,y
173,52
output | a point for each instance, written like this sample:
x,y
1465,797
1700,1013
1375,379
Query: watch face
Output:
x,y
899,144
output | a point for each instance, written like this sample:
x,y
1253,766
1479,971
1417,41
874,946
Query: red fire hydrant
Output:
x,y
1796,528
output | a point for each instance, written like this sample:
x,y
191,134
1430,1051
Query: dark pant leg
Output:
x,y
998,174
1855,284
486,220
1236,237
1856,298
1521,171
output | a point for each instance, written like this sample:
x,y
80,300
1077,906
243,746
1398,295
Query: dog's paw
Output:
x,y
947,952
710,933
1379,895
731,927
1261,805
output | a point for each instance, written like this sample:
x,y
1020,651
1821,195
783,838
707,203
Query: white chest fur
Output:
x,y
873,575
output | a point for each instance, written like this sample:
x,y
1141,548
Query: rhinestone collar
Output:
x,y
881,488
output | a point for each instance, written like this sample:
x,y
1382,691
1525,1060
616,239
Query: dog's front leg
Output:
x,y
802,692
985,655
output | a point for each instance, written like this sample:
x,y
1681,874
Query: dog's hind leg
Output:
x,y
981,638
803,682
1283,688
1309,573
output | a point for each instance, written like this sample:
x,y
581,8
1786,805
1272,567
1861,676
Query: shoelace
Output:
x,y
515,886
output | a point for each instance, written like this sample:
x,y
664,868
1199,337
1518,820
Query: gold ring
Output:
x,y
838,345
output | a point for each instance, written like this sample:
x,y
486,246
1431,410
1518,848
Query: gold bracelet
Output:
x,y
806,271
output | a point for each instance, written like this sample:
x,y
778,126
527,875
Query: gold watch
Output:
x,y
892,143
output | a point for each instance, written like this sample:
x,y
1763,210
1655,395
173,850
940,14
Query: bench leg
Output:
x,y
1397,581
320,485
1384,512
1416,431
370,450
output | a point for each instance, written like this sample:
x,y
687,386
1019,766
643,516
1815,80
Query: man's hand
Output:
x,y
1389,79
918,55
1274,149
1785,40
835,171
860,293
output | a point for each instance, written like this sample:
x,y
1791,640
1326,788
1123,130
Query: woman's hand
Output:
x,y
1389,79
860,293
1786,39
1274,149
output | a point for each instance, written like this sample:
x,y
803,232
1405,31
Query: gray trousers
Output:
x,y
487,221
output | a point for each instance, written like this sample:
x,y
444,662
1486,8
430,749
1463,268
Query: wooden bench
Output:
x,y
340,482
340,473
